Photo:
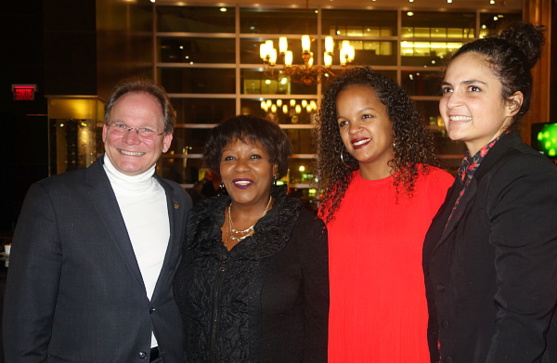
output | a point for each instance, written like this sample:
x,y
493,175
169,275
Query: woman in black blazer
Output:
x,y
490,256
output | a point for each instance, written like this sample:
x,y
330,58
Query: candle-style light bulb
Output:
x,y
263,51
283,45
273,57
328,59
306,43
288,58
329,44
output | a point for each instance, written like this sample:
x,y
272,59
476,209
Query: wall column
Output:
x,y
538,12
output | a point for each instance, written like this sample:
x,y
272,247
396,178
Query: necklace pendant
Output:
x,y
247,230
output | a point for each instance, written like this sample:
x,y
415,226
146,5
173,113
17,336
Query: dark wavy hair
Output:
x,y
146,85
252,129
511,55
413,144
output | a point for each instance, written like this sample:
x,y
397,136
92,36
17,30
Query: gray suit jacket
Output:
x,y
74,292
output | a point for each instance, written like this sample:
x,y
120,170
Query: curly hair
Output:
x,y
252,129
145,85
413,144
511,55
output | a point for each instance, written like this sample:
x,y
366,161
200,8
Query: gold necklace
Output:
x,y
248,230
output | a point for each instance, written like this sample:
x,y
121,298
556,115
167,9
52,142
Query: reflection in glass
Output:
x,y
421,83
196,50
359,23
423,24
195,19
254,81
493,23
189,140
280,21
179,169
203,110
370,52
301,140
198,80
249,50
282,111
427,54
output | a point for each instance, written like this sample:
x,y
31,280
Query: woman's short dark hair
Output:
x,y
146,85
511,55
413,144
248,129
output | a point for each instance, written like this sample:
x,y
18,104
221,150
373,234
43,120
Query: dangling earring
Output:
x,y
344,162
274,180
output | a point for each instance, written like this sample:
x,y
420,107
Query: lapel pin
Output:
x,y
176,206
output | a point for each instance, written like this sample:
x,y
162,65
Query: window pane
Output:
x,y
369,52
198,80
196,50
255,81
420,83
301,140
493,23
283,21
180,170
427,54
433,24
429,111
189,140
359,23
203,110
195,19
302,171
249,50
282,111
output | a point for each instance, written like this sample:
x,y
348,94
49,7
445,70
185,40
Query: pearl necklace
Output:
x,y
248,230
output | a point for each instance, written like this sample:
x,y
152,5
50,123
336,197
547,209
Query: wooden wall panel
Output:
x,y
539,12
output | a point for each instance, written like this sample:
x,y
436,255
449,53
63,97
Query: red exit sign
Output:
x,y
24,92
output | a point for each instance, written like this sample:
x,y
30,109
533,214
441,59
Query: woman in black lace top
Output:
x,y
253,283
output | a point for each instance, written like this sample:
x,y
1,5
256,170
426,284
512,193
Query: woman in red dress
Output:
x,y
380,195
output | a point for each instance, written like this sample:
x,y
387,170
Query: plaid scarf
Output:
x,y
467,170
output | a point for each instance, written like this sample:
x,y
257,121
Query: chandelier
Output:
x,y
307,73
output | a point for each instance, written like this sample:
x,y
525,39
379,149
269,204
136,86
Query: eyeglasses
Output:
x,y
144,132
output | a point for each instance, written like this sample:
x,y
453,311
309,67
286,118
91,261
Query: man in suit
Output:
x,y
95,250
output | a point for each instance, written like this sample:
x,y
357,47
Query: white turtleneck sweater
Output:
x,y
142,202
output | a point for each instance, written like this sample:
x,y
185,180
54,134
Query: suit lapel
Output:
x,y
104,201
494,156
468,196
173,251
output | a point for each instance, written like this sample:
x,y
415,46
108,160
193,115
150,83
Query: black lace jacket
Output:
x,y
266,300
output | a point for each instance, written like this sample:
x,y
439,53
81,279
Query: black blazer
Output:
x,y
74,290
491,274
